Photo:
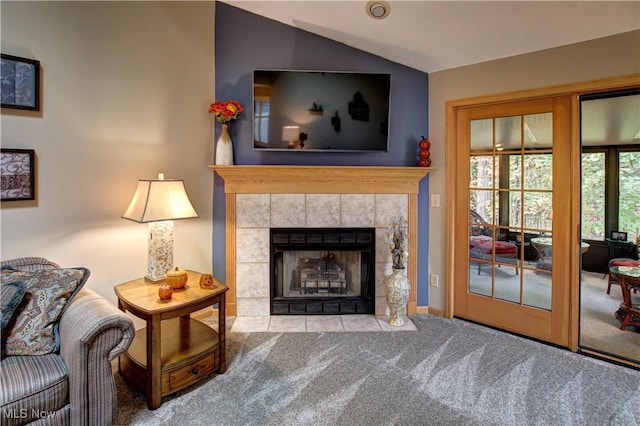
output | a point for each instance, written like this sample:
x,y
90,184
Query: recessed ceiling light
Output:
x,y
378,9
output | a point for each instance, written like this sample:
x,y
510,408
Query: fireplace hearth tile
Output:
x,y
326,323
250,325
360,323
381,305
383,270
357,210
383,254
316,324
288,324
252,210
287,210
252,245
388,206
323,210
252,306
252,276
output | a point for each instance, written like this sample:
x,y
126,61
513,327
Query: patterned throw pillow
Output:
x,y
34,331
11,294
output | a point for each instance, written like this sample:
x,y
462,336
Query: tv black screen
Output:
x,y
321,110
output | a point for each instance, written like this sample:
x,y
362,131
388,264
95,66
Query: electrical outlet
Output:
x,y
433,280
435,200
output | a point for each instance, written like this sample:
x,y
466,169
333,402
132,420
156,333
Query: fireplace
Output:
x,y
322,271
259,198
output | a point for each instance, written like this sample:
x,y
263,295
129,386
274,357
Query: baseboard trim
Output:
x,y
428,310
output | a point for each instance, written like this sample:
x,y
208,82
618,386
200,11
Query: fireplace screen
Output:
x,y
322,271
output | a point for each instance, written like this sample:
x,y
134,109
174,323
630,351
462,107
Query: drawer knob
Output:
x,y
195,371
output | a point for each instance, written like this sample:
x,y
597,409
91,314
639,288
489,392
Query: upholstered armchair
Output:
x,y
73,385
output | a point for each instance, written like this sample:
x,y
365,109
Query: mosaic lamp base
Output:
x,y
160,254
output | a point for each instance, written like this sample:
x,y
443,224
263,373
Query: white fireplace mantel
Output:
x,y
268,179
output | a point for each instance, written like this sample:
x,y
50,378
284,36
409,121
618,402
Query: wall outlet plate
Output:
x,y
433,280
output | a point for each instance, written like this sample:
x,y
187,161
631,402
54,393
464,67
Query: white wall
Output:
x,y
125,91
598,59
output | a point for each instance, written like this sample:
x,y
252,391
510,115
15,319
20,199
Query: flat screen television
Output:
x,y
328,111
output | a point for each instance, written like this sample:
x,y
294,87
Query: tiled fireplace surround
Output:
x,y
262,197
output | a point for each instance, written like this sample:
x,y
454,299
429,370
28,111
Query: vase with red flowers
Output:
x,y
224,112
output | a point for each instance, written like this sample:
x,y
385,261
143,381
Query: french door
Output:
x,y
512,244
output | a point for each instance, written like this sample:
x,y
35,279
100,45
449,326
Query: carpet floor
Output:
x,y
449,372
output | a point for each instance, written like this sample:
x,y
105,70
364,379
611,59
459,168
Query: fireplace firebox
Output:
x,y
322,271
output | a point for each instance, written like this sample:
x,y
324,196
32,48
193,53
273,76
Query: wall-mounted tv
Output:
x,y
328,111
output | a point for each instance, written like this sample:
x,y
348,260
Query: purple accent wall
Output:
x,y
245,41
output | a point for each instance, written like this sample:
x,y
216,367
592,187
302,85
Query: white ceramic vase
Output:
x,y
397,289
224,147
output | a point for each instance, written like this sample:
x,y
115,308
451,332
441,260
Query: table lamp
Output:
x,y
290,134
159,202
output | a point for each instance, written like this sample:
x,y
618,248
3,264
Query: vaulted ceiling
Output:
x,y
432,36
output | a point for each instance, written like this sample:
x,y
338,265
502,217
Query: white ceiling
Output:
x,y
611,121
433,36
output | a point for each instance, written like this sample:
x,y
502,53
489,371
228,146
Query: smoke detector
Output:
x,y
378,9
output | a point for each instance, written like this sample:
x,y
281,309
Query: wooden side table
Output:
x,y
173,351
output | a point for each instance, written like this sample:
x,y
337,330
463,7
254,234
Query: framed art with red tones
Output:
x,y
17,177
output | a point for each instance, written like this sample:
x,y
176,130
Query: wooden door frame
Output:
x,y
575,90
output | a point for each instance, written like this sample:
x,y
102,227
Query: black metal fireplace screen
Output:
x,y
322,271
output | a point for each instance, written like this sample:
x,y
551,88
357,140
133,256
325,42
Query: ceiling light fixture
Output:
x,y
378,9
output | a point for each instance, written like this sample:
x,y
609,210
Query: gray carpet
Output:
x,y
450,372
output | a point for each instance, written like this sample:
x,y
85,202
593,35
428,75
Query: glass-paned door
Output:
x,y
512,234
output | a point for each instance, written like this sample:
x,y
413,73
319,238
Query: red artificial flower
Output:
x,y
226,111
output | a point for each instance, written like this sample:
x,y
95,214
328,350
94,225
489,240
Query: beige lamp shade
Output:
x,y
159,199
290,133
159,202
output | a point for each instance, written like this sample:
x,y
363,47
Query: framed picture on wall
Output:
x,y
17,178
20,83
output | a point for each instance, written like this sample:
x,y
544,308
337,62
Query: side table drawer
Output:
x,y
189,374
